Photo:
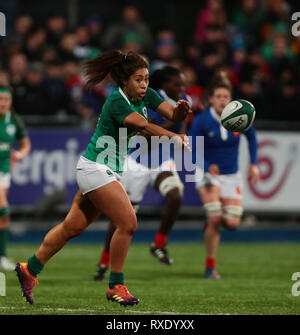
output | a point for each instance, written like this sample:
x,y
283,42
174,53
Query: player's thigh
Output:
x,y
82,212
112,201
209,193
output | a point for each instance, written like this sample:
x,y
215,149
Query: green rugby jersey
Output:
x,y
116,108
11,129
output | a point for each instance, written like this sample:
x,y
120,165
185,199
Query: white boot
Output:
x,y
6,264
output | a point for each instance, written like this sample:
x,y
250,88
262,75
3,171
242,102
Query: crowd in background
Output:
x,y
252,42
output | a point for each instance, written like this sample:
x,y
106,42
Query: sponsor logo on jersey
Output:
x,y
145,112
11,129
109,172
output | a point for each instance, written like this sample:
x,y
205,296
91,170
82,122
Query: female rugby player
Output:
x,y
169,82
98,169
220,189
11,129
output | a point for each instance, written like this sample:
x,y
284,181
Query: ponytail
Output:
x,y
119,65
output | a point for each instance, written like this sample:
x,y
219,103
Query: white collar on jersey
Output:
x,y
223,131
167,99
214,114
124,95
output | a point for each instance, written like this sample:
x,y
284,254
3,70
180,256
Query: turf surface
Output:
x,y
256,279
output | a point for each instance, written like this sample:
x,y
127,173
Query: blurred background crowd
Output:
x,y
250,39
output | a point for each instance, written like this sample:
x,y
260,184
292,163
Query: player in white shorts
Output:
x,y
219,185
169,82
12,130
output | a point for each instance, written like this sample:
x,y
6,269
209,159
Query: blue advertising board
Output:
x,y
51,165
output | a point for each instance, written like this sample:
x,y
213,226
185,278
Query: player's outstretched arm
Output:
x,y
136,121
175,114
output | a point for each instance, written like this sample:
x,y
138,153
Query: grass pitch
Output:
x,y
256,279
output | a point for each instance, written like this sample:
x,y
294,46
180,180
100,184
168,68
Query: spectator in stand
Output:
x,y
239,55
195,91
248,89
276,11
247,19
22,27
94,26
192,55
74,90
35,44
213,14
132,42
31,96
83,49
4,78
56,27
55,84
166,49
67,46
278,52
286,100
211,60
13,46
17,67
131,23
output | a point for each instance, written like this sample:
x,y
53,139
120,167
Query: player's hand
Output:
x,y
15,155
253,173
182,140
214,170
181,110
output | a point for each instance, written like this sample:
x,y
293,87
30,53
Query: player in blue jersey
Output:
x,y
169,83
220,187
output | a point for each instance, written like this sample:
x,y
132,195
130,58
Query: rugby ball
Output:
x,y
238,115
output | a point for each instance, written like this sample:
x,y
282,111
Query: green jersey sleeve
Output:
x,y
21,130
153,99
120,109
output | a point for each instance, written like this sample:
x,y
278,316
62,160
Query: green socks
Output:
x,y
3,241
116,278
34,266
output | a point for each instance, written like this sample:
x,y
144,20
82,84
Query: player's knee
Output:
x,y
169,184
231,223
213,210
129,224
72,229
232,216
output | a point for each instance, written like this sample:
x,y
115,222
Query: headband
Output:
x,y
4,90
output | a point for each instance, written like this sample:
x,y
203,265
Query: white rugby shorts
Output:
x,y
136,177
91,175
230,184
5,179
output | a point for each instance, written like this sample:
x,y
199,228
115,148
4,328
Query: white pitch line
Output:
x,y
70,310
